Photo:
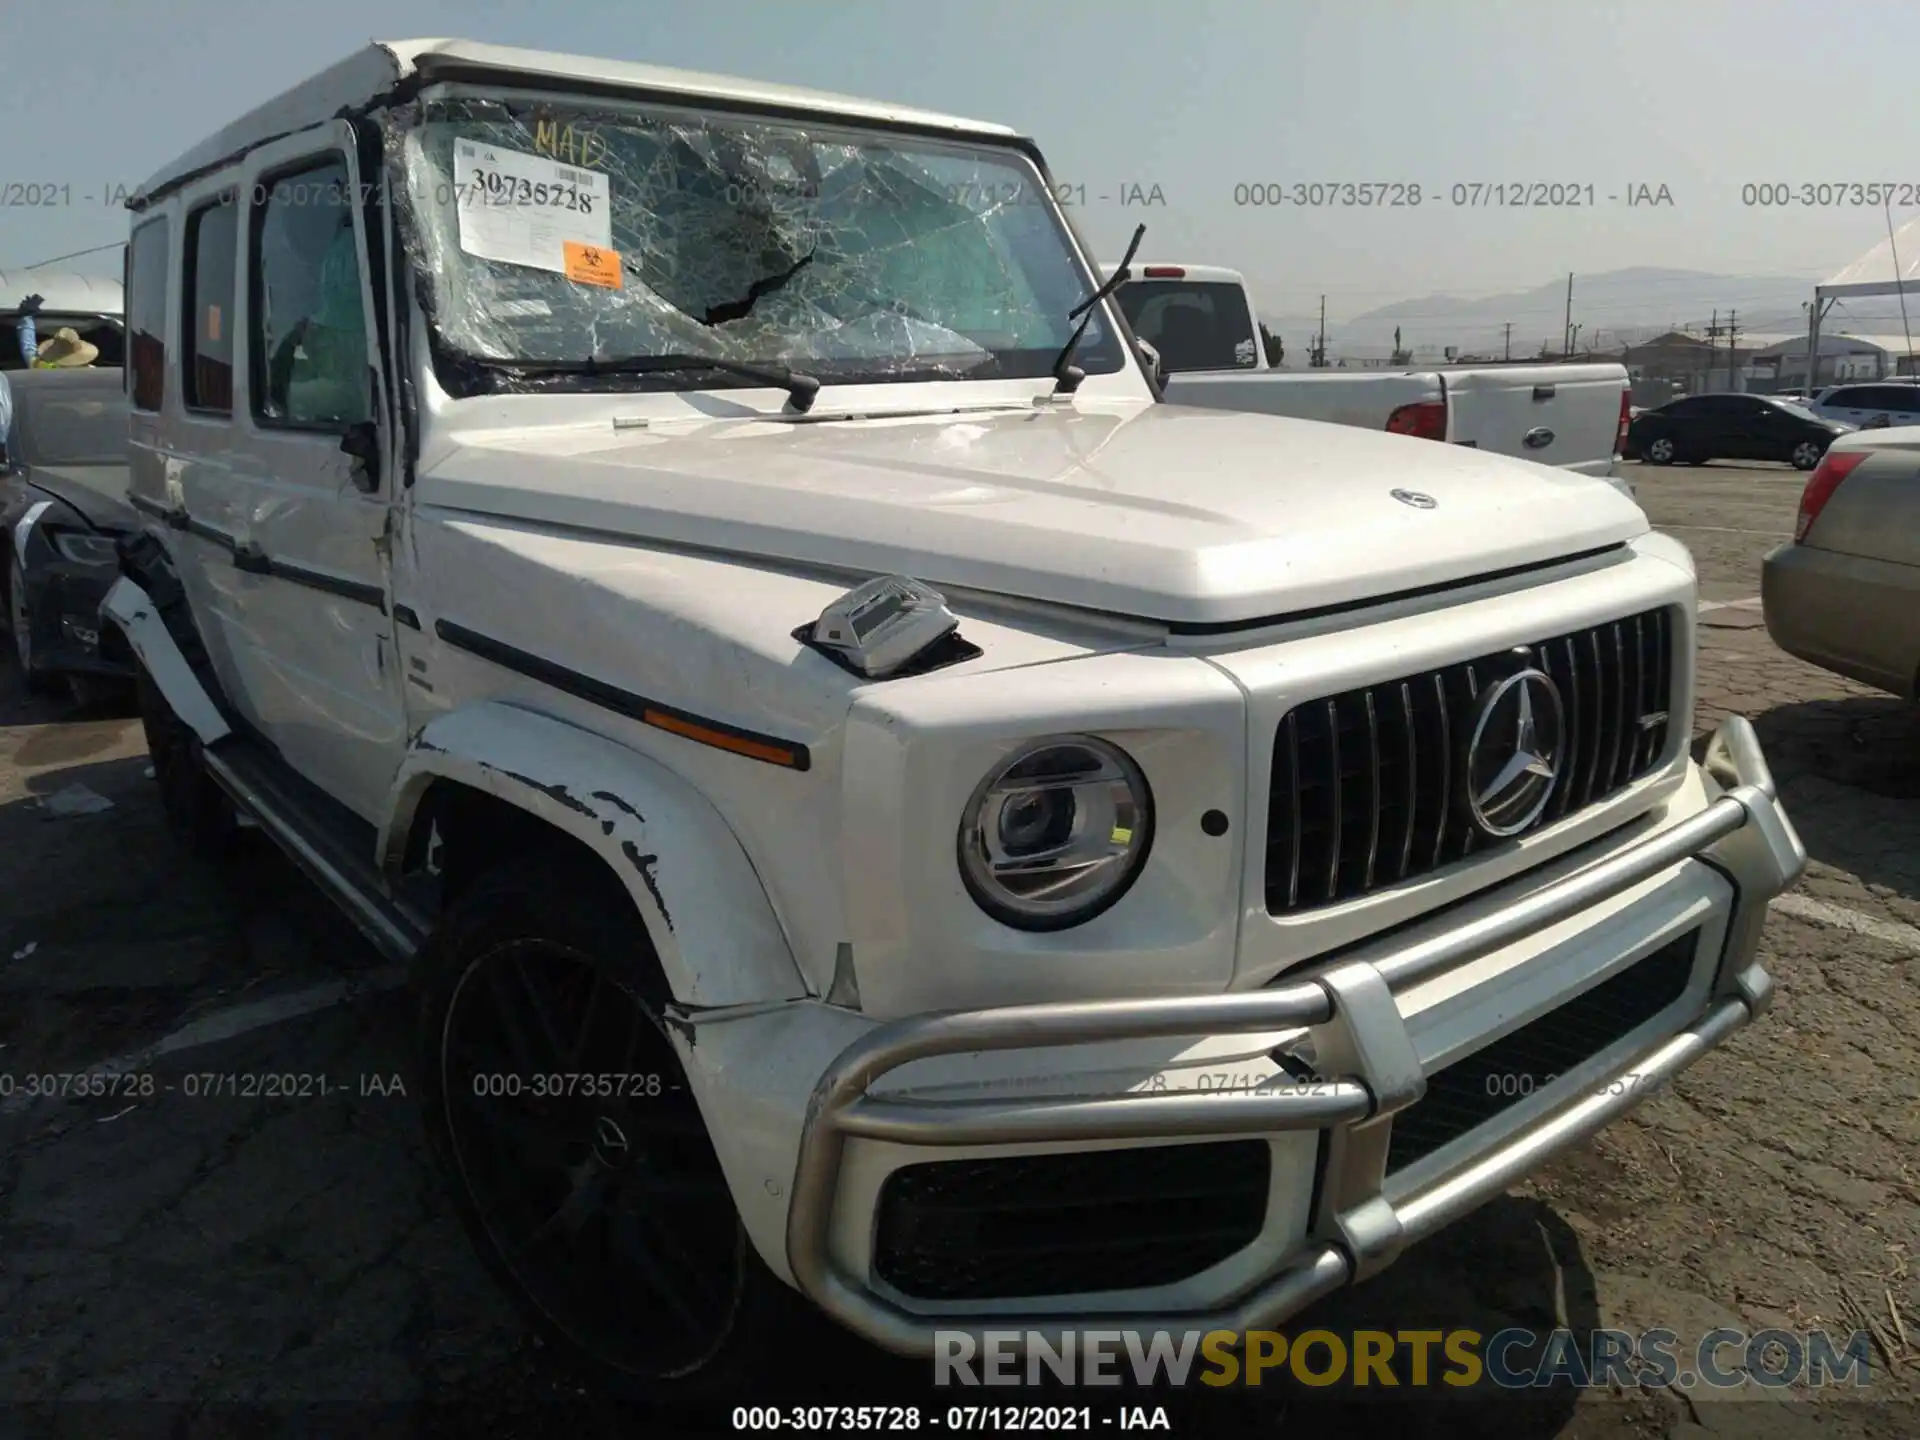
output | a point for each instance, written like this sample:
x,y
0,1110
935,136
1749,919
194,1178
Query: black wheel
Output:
x,y
1807,454
1660,450
197,809
605,1216
20,622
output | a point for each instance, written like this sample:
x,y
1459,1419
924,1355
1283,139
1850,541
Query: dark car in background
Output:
x,y
1699,428
63,505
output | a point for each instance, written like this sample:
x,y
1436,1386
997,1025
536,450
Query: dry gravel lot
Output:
x,y
175,1266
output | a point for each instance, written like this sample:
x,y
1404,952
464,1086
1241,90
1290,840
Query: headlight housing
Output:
x,y
1056,833
84,549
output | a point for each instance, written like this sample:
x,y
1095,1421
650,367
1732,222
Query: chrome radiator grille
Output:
x,y
1368,785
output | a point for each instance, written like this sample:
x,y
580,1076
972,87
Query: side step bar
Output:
x,y
346,874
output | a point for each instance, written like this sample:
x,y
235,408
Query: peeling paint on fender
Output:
x,y
644,864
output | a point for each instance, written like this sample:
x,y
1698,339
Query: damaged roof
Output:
x,y
386,66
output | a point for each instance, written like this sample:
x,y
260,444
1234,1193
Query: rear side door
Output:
x,y
1848,403
1564,415
1711,430
1754,430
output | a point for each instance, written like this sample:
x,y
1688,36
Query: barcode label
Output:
x,y
573,177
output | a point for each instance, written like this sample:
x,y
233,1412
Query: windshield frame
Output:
x,y
462,375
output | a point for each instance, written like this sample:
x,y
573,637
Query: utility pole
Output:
x,y
1713,346
1566,329
1509,340
1320,340
1731,330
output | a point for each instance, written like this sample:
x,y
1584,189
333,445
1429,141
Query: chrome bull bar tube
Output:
x,y
1359,1034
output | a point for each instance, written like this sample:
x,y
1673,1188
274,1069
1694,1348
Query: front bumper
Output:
x,y
1364,1050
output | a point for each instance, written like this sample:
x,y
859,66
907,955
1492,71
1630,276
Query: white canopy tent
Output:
x,y
1891,267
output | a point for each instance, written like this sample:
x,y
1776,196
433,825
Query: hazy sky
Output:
x,y
1196,97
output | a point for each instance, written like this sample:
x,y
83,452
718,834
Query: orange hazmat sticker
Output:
x,y
592,265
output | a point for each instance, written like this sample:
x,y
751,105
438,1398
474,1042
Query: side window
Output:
x,y
1888,397
147,314
206,309
309,341
1845,399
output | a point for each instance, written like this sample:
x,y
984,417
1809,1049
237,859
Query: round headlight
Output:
x,y
1056,833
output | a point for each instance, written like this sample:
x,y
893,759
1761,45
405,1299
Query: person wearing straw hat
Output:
x,y
65,350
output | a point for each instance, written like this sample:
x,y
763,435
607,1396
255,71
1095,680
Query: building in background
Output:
x,y
1678,363
1781,364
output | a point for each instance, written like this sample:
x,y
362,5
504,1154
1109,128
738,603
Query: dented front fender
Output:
x,y
711,923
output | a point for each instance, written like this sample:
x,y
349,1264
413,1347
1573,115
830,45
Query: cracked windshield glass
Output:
x,y
559,234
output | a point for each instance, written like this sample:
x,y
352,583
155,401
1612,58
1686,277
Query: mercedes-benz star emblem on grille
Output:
x,y
1512,752
1416,499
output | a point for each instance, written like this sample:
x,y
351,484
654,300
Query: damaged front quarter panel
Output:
x,y
710,920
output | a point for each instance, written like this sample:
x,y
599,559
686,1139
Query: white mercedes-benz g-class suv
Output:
x,y
874,799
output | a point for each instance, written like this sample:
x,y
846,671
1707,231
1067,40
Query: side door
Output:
x,y
1754,429
1847,403
312,539
1697,426
1888,405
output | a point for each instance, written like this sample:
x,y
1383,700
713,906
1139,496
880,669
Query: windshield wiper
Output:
x,y
1066,375
801,389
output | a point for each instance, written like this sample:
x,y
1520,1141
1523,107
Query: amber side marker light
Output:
x,y
721,740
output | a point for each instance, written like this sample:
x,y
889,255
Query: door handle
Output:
x,y
252,559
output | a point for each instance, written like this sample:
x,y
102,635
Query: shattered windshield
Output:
x,y
557,232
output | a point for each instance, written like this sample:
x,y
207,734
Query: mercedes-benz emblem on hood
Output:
x,y
1416,499
1513,753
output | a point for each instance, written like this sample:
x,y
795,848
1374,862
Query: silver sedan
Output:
x,y
1844,593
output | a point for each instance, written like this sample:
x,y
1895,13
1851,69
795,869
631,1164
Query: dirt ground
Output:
x,y
179,1263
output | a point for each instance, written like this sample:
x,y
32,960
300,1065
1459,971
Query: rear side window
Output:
x,y
1887,397
207,306
309,351
147,315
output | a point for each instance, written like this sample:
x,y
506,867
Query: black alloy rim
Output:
x,y
584,1154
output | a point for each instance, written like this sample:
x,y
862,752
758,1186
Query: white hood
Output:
x,y
1162,512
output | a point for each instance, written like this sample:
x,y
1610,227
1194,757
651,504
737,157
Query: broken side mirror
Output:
x,y
361,443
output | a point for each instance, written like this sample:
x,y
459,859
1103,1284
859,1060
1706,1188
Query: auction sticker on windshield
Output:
x,y
523,209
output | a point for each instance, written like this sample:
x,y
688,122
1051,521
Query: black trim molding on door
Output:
x,y
254,561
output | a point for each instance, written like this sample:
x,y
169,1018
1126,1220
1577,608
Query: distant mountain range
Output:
x,y
1612,308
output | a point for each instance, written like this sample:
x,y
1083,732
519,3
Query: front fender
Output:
x,y
34,508
704,907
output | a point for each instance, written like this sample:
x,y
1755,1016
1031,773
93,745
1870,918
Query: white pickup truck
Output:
x,y
875,801
1202,322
